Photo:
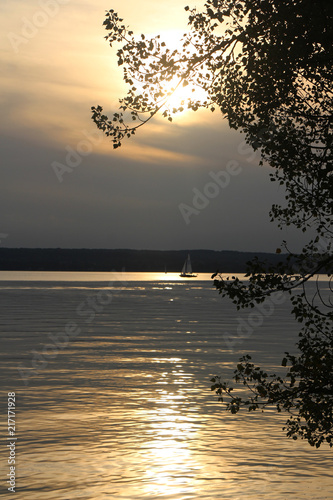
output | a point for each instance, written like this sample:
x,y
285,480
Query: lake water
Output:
x,y
112,380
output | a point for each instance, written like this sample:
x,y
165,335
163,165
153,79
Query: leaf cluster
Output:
x,y
305,391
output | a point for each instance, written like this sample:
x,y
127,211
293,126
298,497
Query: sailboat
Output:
x,y
187,269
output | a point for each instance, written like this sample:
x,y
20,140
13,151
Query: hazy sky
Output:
x,y
159,190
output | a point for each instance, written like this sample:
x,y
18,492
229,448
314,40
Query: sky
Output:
x,y
192,184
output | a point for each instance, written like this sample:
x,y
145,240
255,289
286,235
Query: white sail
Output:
x,y
187,268
188,265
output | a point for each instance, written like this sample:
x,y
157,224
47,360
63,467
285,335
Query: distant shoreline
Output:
x,y
105,260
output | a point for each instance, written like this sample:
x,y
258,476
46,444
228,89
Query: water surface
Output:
x,y
122,409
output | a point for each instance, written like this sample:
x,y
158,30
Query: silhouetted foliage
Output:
x,y
267,66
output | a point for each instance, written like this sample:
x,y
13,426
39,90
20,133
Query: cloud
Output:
x,y
123,198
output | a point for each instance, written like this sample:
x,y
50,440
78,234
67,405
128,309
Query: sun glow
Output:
x,y
179,96
177,93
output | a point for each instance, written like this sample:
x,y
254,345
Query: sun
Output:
x,y
179,95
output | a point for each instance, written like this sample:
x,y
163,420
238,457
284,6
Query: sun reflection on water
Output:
x,y
171,464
